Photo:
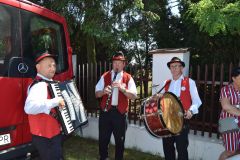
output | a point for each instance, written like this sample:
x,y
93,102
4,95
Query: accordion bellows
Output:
x,y
73,115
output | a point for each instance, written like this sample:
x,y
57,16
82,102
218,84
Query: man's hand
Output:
x,y
120,86
116,84
155,97
107,90
188,114
61,103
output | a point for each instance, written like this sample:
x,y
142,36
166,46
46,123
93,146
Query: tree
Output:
x,y
98,25
203,47
217,16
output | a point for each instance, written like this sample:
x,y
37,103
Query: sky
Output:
x,y
173,5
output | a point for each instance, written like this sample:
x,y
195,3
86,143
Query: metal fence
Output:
x,y
209,80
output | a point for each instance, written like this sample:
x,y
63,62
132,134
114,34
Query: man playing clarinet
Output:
x,y
115,88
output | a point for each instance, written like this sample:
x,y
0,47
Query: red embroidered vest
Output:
x,y
185,96
122,99
44,125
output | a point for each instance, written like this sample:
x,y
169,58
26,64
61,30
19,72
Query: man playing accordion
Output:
x,y
40,107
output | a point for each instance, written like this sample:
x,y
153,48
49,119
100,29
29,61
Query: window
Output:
x,y
42,34
22,35
9,46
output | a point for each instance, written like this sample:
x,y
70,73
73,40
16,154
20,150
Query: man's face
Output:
x,y
176,69
118,65
236,82
47,67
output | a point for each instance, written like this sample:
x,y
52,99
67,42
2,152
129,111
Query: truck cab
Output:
x,y
26,28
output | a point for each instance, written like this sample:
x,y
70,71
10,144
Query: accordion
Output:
x,y
72,115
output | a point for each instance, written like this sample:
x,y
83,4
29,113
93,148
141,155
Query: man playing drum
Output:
x,y
184,88
230,102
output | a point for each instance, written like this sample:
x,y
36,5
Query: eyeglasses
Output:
x,y
175,66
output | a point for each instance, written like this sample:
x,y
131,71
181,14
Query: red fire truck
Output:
x,y
24,29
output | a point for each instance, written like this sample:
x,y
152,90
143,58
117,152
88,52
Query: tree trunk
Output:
x,y
91,52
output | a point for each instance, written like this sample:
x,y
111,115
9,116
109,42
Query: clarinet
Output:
x,y
109,96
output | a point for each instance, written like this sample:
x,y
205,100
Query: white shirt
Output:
x,y
37,101
175,88
131,86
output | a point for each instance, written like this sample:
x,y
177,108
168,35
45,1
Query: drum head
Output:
x,y
172,112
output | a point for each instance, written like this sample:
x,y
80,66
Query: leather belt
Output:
x,y
114,107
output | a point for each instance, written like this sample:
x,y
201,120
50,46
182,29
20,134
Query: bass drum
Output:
x,y
163,117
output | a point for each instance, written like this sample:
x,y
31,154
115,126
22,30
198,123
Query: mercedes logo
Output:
x,y
22,68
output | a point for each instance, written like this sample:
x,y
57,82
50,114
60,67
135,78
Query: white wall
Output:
x,y
200,148
161,72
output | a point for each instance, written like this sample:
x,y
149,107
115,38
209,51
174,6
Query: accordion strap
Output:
x,y
53,111
37,80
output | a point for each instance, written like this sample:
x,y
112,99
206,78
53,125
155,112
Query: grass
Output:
x,y
78,148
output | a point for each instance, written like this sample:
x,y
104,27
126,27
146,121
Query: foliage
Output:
x,y
167,31
217,16
2,48
107,25
204,49
209,28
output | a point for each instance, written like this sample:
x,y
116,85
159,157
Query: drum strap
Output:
x,y
166,84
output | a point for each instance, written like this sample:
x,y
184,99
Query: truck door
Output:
x,y
41,33
11,97
26,28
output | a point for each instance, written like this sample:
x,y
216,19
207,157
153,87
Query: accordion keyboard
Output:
x,y
64,113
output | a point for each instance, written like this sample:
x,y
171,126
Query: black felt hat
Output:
x,y
175,60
